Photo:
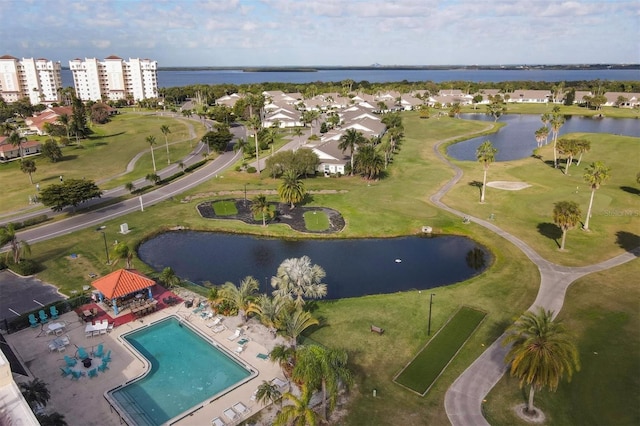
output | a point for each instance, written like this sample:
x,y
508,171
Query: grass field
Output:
x,y
103,155
394,206
225,208
316,221
425,368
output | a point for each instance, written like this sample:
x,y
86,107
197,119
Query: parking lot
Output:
x,y
19,295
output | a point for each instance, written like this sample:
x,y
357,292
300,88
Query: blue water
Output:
x,y
354,267
185,371
176,78
517,139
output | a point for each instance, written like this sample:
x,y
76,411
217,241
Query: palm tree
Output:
x,y
268,393
541,135
556,123
486,154
16,140
151,140
256,124
53,419
297,279
566,214
122,252
369,163
260,205
240,297
583,146
241,145
298,413
29,167
324,369
570,148
542,352
455,109
153,178
35,392
65,120
291,189
596,174
165,131
294,323
18,247
129,186
285,356
350,140
169,277
269,309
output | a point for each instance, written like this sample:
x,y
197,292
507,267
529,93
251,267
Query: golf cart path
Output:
x,y
463,399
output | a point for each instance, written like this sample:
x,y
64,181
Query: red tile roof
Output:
x,y
122,282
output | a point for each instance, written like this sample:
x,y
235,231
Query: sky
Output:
x,y
325,32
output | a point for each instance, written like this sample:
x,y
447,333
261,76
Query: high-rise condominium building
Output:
x,y
114,79
37,79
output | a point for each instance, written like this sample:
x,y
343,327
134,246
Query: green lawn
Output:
x,y
102,156
394,206
225,208
316,221
425,368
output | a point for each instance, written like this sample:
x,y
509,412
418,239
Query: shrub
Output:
x,y
25,267
171,178
251,169
195,166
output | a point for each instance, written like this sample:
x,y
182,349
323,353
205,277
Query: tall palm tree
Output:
x,y
297,279
241,145
294,323
241,297
486,154
556,123
256,124
35,392
28,166
165,131
583,146
285,356
350,140
169,278
566,214
596,174
267,393
18,247
16,140
151,140
291,189
324,369
269,309
260,206
65,120
122,252
570,148
542,352
298,413
541,135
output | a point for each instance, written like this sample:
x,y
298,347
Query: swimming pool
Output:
x,y
186,370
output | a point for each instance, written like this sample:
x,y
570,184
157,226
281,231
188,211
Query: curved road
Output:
x,y
463,399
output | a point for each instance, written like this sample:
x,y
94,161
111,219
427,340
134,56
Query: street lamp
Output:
x,y
106,248
430,304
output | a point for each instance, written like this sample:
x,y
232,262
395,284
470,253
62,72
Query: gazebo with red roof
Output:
x,y
122,283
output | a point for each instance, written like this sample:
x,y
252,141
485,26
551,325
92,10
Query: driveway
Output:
x,y
23,294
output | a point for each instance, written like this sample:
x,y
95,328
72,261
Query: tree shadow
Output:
x,y
107,136
68,157
630,190
628,241
551,231
99,144
477,184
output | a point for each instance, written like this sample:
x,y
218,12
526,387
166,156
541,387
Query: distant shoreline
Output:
x,y
408,67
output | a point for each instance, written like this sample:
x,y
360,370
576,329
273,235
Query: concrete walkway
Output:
x,y
463,400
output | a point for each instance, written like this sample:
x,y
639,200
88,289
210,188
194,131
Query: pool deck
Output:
x,y
82,401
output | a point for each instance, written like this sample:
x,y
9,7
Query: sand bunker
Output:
x,y
508,186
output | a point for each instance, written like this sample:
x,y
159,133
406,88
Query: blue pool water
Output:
x,y
185,371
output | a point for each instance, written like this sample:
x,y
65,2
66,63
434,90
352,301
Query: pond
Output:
x,y
354,267
516,140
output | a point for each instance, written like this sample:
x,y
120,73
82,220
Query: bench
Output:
x,y
378,330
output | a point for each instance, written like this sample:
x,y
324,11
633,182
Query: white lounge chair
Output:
x,y
218,422
239,349
279,382
235,335
214,322
240,408
230,414
218,328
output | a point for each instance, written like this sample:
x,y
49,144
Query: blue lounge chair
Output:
x,y
82,353
70,361
76,374
107,357
104,366
33,320
93,373
99,351
43,316
54,312
66,371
